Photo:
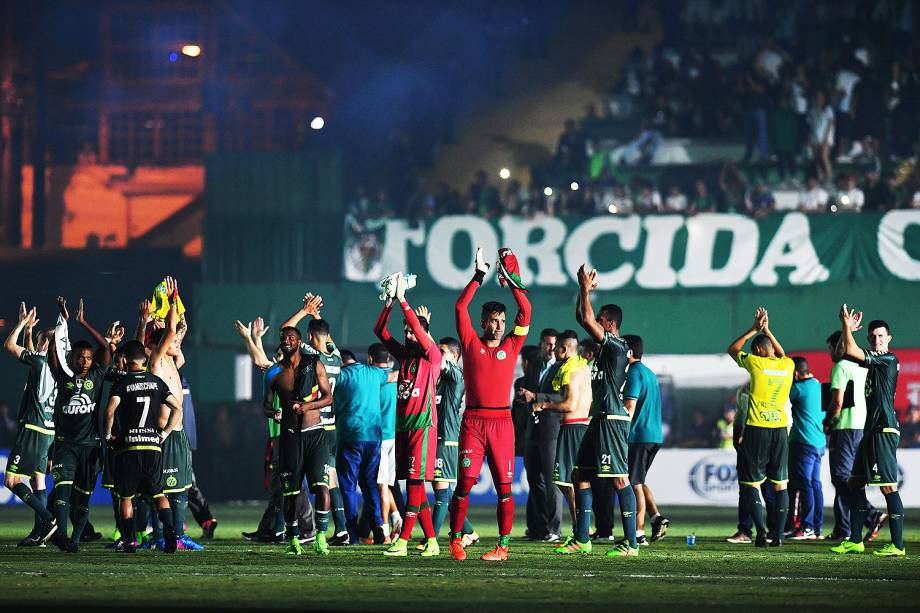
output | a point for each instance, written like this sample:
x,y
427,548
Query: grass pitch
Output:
x,y
232,573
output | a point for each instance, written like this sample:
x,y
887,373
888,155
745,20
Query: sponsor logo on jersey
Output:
x,y
501,355
80,404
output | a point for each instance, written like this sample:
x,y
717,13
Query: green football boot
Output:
x,y
849,546
890,551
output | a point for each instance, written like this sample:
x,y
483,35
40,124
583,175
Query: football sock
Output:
x,y
895,518
583,502
338,510
415,496
467,526
505,509
149,508
504,540
655,517
115,506
128,528
424,520
42,497
780,509
81,516
178,502
62,506
458,507
627,497
33,500
441,504
751,499
859,507
166,518
322,521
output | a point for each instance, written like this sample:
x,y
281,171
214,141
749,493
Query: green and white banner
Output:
x,y
654,252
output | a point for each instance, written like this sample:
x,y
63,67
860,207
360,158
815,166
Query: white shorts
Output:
x,y
386,474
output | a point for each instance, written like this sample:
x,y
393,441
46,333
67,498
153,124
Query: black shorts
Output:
x,y
640,458
138,472
108,468
332,444
876,461
762,455
303,454
76,465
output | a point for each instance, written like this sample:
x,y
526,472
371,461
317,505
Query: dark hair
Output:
x,y
801,365
318,326
878,323
635,344
348,355
566,335
762,342
492,307
422,322
452,344
290,329
589,345
529,352
834,338
134,351
612,312
80,346
548,332
155,336
378,353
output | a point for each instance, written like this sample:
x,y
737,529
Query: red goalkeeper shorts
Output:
x,y
415,452
491,438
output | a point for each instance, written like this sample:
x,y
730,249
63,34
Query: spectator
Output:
x,y
570,149
622,203
732,185
821,141
701,201
482,197
879,196
699,433
813,199
847,78
784,137
648,200
676,202
759,202
755,95
850,199
910,429
725,427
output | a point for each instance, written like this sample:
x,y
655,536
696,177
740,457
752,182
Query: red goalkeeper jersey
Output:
x,y
488,372
418,375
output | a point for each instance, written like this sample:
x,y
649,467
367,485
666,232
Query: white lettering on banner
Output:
x,y
578,247
702,230
791,246
439,249
656,271
395,256
891,231
516,235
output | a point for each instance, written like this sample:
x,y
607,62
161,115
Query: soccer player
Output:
x,y
603,451
320,343
77,445
876,461
643,401
303,389
449,401
760,434
165,346
133,426
416,417
28,459
572,381
806,448
488,374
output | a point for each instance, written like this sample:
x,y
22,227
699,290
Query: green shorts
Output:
x,y
303,454
876,462
445,463
567,446
29,455
137,472
76,465
604,448
763,454
332,444
108,468
177,463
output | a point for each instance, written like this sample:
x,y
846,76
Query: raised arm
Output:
x,y
411,318
311,306
256,354
738,344
104,352
172,320
325,393
24,324
522,319
584,312
140,331
465,329
27,340
846,348
777,348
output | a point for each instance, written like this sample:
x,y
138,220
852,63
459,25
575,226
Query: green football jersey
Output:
x,y
76,413
36,410
608,377
881,383
449,398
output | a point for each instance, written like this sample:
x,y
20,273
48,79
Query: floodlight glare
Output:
x,y
548,191
191,50
504,173
317,123
574,186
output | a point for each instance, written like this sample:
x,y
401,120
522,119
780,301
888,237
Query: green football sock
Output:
x,y
859,507
322,521
627,498
166,518
338,510
504,540
441,504
895,518
178,502
62,506
751,498
583,501
32,499
81,516
780,509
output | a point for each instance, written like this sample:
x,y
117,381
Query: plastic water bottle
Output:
x,y
691,539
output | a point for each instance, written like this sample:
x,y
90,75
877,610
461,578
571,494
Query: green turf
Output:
x,y
233,573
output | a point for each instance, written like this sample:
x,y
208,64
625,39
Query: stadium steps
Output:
x,y
520,130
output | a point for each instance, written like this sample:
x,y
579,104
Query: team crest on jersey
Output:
x,y
466,461
482,351
414,368
171,481
88,385
501,355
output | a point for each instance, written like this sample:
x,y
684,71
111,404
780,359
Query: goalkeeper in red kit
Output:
x,y
486,431
416,416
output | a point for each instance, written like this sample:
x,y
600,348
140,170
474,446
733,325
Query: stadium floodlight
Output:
x,y
574,186
844,200
548,191
191,50
317,123
504,173
834,208
612,209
